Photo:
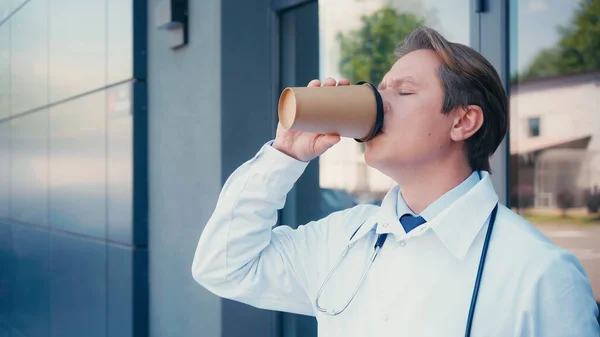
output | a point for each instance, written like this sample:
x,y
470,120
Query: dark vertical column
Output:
x,y
247,118
299,64
494,45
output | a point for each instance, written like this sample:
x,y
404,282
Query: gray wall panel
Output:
x,y
78,165
7,271
29,57
4,170
14,4
184,169
77,286
29,168
30,312
126,310
120,40
4,71
77,56
68,169
120,163
4,11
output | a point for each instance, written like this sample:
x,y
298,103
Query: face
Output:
x,y
415,131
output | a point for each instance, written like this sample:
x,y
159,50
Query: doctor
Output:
x,y
439,257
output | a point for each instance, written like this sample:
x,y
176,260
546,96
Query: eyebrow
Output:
x,y
405,79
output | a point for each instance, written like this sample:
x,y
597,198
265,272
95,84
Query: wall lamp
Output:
x,y
172,17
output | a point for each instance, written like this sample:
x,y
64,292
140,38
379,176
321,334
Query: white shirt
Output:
x,y
420,284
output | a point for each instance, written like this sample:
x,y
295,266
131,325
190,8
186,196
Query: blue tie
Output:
x,y
410,222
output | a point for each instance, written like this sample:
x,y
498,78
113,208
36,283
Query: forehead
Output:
x,y
422,65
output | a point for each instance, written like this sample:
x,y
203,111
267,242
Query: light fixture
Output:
x,y
172,17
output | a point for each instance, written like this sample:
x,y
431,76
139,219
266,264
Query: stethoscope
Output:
x,y
377,247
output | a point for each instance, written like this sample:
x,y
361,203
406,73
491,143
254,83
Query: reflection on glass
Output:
x,y
29,278
4,9
120,163
4,169
120,40
357,41
4,71
29,57
77,47
555,125
78,165
29,168
14,4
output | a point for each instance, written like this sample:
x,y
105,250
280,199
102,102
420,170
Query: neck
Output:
x,y
422,185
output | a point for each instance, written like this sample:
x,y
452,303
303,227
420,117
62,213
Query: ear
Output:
x,y
467,121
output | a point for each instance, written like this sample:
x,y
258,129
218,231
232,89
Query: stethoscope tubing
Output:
x,y
377,248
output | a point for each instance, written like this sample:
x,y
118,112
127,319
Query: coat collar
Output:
x,y
456,226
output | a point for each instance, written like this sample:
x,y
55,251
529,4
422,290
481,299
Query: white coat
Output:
x,y
420,284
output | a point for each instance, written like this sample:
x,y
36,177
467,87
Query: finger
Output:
x,y
329,82
325,142
314,83
344,81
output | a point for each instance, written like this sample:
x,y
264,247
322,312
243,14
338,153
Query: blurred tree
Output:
x,y
578,49
565,200
522,197
368,52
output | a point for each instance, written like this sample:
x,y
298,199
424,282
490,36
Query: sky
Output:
x,y
533,27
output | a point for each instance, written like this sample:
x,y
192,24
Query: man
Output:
x,y
446,113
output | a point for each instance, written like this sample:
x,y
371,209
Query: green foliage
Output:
x,y
368,53
578,49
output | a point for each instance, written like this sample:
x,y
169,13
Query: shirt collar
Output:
x,y
456,225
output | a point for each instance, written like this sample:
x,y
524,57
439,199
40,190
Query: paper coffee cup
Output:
x,y
354,111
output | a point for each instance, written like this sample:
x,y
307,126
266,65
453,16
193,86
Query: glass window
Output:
x,y
357,41
29,168
78,165
120,40
4,71
120,163
555,165
534,126
77,47
4,169
14,4
29,57
4,9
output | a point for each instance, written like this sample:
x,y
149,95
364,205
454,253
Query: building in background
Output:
x,y
556,137
119,126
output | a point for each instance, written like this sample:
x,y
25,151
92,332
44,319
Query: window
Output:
x,y
555,189
534,126
77,56
77,171
29,57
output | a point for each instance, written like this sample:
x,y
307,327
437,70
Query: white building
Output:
x,y
555,138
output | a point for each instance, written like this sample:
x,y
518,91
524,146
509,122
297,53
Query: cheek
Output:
x,y
404,118
436,132
421,129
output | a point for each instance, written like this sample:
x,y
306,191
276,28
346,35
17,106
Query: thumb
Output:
x,y
325,142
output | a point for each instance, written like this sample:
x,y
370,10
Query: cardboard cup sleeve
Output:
x,y
354,111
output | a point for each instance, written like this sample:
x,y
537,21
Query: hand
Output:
x,y
306,146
